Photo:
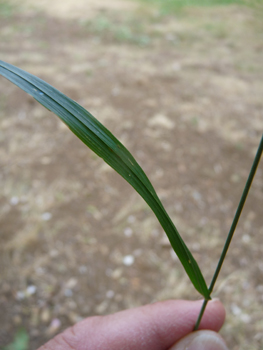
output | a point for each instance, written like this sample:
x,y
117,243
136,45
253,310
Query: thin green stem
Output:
x,y
233,226
201,314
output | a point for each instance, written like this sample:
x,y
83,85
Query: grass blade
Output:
x,y
233,226
105,145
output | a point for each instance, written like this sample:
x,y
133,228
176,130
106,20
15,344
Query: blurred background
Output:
x,y
180,84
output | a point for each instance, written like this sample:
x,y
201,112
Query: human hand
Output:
x,y
160,326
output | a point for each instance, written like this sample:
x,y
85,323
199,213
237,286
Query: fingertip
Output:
x,y
201,340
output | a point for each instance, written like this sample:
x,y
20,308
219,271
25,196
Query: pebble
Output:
x,y
128,260
46,216
116,274
110,294
14,200
102,307
20,295
246,239
160,120
31,290
53,327
245,318
68,292
71,283
176,65
45,315
73,317
131,219
128,232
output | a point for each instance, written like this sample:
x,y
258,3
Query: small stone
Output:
x,y
128,232
31,290
14,200
73,317
54,327
68,293
197,196
176,65
235,310
110,294
131,219
235,178
128,260
102,307
46,216
116,274
20,295
160,120
245,318
45,315
246,239
71,283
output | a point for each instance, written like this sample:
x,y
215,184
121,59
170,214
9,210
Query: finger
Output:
x,y
157,327
201,340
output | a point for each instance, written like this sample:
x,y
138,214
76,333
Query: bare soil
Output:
x,y
184,94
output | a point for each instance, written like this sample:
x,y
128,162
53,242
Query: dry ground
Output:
x,y
184,93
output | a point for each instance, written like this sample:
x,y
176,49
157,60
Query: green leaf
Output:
x,y
105,145
21,341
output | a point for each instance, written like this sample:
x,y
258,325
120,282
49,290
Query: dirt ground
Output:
x,y
184,93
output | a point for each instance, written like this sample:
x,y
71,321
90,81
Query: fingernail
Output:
x,y
201,340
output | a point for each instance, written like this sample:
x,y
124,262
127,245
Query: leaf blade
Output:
x,y
105,145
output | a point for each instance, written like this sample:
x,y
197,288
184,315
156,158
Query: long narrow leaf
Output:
x,y
105,145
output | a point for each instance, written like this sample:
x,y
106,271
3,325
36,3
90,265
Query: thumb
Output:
x,y
201,340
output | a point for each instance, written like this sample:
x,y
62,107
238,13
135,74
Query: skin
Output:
x,y
157,326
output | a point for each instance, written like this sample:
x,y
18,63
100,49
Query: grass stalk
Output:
x,y
233,227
